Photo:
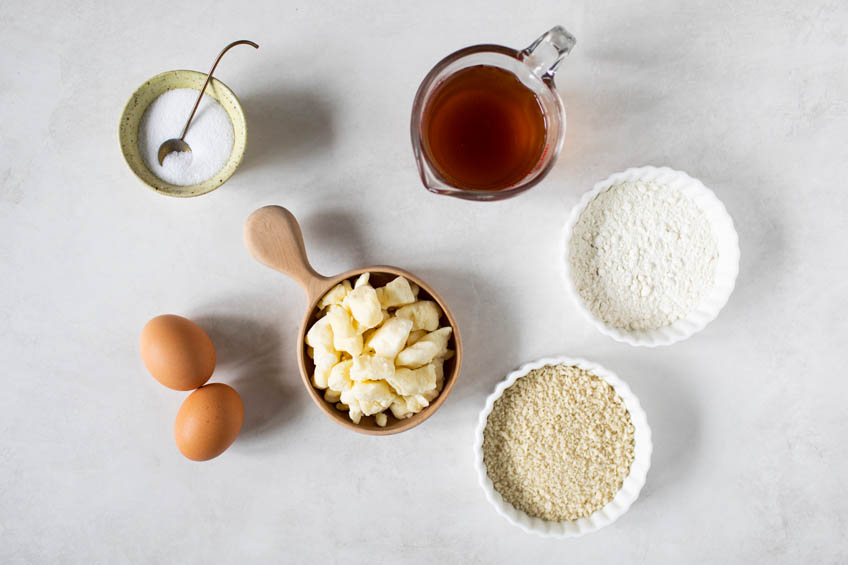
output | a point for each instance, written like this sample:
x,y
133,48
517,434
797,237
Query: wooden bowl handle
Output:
x,y
273,237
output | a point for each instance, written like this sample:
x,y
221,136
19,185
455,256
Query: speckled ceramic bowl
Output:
x,y
147,93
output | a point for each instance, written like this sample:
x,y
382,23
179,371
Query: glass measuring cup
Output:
x,y
534,67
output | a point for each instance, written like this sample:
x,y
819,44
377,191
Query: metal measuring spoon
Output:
x,y
178,143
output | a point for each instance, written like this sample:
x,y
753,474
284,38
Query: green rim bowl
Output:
x,y
147,93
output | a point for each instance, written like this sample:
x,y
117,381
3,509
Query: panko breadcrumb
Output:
x,y
558,443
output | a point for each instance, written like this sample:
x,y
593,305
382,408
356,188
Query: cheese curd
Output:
x,y
414,336
336,295
431,346
378,350
390,338
424,314
320,334
396,293
339,379
364,306
325,360
409,382
371,368
341,322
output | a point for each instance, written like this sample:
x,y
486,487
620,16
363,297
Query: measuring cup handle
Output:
x,y
546,53
273,237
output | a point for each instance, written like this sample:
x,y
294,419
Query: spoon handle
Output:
x,y
209,77
273,237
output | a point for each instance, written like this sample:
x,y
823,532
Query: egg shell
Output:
x,y
208,422
177,352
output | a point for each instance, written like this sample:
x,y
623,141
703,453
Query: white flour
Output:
x,y
642,256
210,137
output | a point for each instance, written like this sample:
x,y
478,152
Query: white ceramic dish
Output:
x,y
727,266
625,497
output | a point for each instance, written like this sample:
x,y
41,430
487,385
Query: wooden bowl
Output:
x,y
273,237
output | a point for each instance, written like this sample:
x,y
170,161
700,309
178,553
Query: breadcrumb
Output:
x,y
558,443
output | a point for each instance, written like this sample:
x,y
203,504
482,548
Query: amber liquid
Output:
x,y
483,129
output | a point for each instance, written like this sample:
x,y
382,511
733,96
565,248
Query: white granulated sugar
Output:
x,y
210,137
642,256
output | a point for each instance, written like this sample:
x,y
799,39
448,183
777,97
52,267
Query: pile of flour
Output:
x,y
642,256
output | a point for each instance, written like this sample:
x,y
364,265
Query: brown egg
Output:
x,y
208,421
177,352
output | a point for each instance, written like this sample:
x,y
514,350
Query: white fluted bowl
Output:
x,y
630,488
727,266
